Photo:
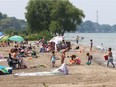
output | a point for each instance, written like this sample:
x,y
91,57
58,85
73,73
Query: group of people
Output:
x,y
5,43
109,55
14,60
53,57
77,60
50,46
74,59
17,53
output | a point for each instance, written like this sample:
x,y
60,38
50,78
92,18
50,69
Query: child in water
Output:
x,y
53,58
91,44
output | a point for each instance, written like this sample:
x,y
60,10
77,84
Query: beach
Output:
x,y
83,75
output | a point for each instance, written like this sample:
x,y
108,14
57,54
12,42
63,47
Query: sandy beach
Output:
x,y
83,75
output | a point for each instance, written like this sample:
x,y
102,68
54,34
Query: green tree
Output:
x,y
38,15
66,16
56,16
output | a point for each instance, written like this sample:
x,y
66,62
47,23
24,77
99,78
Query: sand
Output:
x,y
94,75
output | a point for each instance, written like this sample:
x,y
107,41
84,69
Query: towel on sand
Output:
x,y
62,70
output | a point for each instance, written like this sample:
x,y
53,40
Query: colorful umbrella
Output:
x,y
16,38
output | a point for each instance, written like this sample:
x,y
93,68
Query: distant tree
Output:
x,y
114,28
12,23
87,27
0,15
105,28
92,27
10,31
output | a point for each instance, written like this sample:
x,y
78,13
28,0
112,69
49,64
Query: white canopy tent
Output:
x,y
57,40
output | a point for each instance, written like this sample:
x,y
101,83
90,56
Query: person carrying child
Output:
x,y
89,57
53,58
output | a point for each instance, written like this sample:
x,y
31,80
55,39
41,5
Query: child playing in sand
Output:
x,y
89,57
72,61
110,57
75,60
53,58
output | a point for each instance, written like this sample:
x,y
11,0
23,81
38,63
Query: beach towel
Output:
x,y
5,70
62,70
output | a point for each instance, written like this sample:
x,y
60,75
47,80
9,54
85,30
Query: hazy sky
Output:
x,y
106,9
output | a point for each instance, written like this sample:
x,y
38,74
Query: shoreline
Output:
x,y
83,75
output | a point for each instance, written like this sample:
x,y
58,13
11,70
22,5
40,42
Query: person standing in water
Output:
x,y
110,57
77,39
91,44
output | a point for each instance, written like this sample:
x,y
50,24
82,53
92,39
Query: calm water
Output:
x,y
107,39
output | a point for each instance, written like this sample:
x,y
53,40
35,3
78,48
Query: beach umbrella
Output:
x,y
1,34
57,39
16,38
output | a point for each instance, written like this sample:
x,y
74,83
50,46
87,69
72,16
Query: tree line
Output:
x,y
93,27
10,24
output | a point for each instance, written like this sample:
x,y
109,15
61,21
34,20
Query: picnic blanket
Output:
x,y
62,70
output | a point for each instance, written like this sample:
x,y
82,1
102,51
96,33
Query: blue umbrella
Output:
x,y
1,33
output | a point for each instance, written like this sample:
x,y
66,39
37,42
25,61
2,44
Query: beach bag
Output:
x,y
88,63
106,57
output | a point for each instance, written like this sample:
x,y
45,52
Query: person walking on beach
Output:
x,y
110,57
91,44
89,58
53,58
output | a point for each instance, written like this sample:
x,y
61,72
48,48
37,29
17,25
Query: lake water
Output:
x,y
107,39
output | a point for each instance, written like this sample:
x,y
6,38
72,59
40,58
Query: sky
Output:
x,y
101,10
